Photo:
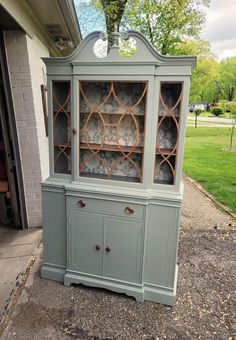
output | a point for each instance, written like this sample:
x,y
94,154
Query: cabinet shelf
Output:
x,y
63,111
165,152
113,113
109,147
113,177
62,145
160,116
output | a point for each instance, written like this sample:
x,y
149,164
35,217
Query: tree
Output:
x,y
197,112
113,10
227,70
205,80
205,77
164,22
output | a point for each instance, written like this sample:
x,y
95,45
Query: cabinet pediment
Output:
x,y
144,54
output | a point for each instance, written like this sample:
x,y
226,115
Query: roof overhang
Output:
x,y
51,20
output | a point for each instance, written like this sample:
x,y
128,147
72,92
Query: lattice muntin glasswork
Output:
x,y
167,132
62,126
112,119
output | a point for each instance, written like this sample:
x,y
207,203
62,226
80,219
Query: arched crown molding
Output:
x,y
145,54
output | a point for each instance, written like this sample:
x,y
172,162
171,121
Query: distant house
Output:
x,y
29,30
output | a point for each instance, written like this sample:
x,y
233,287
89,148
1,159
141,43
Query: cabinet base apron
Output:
x,y
141,292
52,272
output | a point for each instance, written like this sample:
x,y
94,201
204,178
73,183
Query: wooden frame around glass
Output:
x,y
106,107
167,136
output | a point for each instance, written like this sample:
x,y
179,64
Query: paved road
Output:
x,y
209,121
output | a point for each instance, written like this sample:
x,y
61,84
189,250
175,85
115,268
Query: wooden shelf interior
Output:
x,y
62,126
112,125
110,163
112,147
167,132
164,169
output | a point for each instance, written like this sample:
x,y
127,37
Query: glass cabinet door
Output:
x,y
61,93
167,132
112,127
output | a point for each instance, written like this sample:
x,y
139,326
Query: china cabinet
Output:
x,y
111,205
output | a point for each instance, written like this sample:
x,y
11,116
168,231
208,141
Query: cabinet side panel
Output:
x,y
54,228
161,245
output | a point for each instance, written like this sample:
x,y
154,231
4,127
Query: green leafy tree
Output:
x,y
227,71
113,10
204,85
197,113
205,77
164,22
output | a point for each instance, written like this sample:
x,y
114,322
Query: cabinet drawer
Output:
x,y
122,209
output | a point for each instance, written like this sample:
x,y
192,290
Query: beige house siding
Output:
x,y
26,76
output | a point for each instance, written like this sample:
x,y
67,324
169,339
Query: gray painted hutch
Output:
x,y
111,205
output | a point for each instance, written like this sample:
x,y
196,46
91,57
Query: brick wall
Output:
x,y
26,76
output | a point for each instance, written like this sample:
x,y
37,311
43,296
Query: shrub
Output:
x,y
217,111
197,112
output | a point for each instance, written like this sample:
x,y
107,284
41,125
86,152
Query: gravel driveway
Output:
x,y
205,307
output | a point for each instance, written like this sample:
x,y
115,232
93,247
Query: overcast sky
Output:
x,y
220,28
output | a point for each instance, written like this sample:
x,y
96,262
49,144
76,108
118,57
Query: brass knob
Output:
x,y
108,249
129,210
81,204
97,247
74,131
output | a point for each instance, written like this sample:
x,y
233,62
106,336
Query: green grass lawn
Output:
x,y
207,162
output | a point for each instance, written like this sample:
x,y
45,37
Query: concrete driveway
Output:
x,y
205,307
16,248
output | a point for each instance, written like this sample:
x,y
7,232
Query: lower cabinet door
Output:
x,y
123,249
85,242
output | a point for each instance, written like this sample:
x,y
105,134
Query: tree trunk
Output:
x,y
232,134
113,10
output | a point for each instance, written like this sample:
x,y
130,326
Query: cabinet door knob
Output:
x,y
74,131
129,210
108,249
97,247
81,204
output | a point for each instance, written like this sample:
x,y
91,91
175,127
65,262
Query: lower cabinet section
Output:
x,y
105,246
124,247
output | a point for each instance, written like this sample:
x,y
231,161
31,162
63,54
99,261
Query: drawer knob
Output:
x,y
81,204
74,131
129,210
97,247
108,249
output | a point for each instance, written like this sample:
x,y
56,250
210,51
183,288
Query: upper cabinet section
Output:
x,y
61,107
112,125
118,120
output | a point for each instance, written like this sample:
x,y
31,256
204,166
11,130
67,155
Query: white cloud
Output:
x,y
224,48
220,27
